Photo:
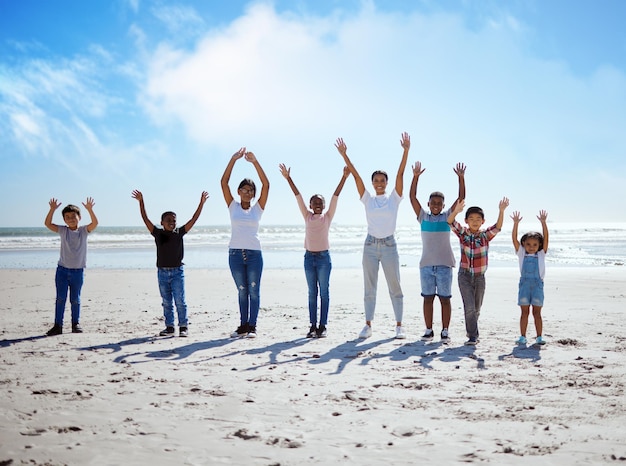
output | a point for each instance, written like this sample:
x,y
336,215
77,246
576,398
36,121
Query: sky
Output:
x,y
102,97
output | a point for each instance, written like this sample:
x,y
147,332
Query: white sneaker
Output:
x,y
400,335
366,332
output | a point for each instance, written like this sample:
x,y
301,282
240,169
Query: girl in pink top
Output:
x,y
317,263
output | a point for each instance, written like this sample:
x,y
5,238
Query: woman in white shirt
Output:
x,y
244,250
380,246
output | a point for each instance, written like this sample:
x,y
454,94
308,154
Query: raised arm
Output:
x,y
342,181
265,183
228,197
286,172
54,205
543,218
136,194
504,203
343,150
94,220
415,203
459,205
196,215
405,142
514,235
460,172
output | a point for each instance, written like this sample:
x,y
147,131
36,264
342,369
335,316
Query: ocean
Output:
x,y
571,244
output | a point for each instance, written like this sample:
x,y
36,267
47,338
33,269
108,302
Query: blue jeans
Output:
x,y
472,288
65,279
317,267
383,251
172,288
246,267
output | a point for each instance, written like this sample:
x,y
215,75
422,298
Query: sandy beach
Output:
x,y
120,394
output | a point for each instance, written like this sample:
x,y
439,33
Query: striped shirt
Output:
x,y
474,247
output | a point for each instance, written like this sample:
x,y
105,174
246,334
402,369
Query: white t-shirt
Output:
x,y
244,226
381,213
541,259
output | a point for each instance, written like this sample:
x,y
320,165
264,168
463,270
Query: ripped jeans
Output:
x,y
246,267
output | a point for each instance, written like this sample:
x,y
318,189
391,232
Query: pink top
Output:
x,y
317,226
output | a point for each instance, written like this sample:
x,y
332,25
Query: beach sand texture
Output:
x,y
119,394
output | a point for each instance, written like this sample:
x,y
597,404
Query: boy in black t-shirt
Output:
x,y
170,252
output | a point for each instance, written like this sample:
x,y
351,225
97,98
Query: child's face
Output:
x,y
531,245
71,219
436,205
474,222
169,222
379,183
317,205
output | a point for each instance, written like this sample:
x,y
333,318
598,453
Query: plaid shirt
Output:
x,y
474,247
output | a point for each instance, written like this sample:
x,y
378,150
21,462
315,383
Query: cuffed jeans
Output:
x,y
172,288
472,288
383,251
317,267
246,267
65,279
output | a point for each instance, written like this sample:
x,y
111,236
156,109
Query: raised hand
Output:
x,y
136,194
417,169
54,204
543,216
240,153
89,203
460,169
250,157
516,217
341,146
405,142
286,172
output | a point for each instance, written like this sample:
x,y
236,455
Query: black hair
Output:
x,y
380,172
70,208
436,194
247,182
165,214
317,195
533,235
474,210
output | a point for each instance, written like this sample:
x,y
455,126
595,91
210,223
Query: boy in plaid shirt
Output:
x,y
474,260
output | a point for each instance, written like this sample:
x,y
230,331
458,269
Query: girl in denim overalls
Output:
x,y
532,261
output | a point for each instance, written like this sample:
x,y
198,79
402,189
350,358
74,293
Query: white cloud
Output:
x,y
291,83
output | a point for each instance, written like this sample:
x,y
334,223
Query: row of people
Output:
x,y
381,210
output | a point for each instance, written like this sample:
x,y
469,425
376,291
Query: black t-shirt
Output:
x,y
170,250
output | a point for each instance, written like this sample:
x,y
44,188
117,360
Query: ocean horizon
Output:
x,y
132,247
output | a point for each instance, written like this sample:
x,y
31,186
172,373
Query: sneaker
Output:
x,y
400,335
167,331
251,331
366,332
445,337
471,342
312,332
183,332
428,335
241,331
55,330
540,340
76,328
521,340
321,331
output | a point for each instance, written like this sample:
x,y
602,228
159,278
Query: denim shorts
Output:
x,y
436,281
530,292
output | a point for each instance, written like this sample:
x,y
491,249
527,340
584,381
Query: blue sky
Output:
x,y
102,97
